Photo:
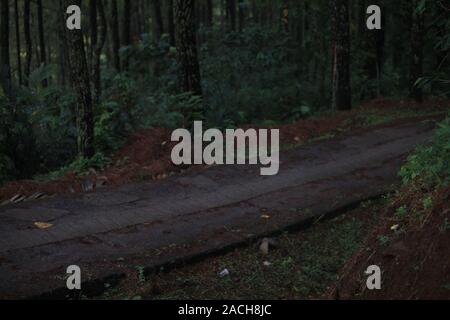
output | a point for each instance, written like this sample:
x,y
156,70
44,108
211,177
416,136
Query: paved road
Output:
x,y
112,231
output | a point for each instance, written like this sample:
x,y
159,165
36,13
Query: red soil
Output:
x,y
415,260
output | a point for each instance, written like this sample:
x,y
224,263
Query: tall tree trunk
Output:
x,y
341,88
18,47
115,36
158,24
189,70
100,43
5,66
126,38
417,43
62,48
209,13
94,31
81,84
242,12
231,14
42,48
28,41
170,23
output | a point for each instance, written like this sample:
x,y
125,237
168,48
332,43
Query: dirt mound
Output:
x,y
411,245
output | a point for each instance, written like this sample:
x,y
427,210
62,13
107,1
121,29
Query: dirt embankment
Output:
x,y
411,245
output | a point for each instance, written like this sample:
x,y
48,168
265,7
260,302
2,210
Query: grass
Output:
x,y
302,265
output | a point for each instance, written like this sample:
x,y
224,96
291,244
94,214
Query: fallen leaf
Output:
x,y
43,225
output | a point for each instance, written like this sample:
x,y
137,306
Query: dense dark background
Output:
x,y
73,95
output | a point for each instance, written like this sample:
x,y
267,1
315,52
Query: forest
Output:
x,y
140,64
85,170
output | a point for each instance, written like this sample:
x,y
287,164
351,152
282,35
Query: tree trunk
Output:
x,y
5,66
341,88
126,38
42,48
80,80
18,48
242,13
170,23
231,14
115,36
28,41
100,43
94,31
189,70
158,24
209,13
417,44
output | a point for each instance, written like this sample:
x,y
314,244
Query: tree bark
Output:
x,y
80,81
341,88
94,31
42,45
18,47
115,36
170,23
242,13
5,66
189,70
417,44
28,41
158,24
209,13
100,43
231,14
126,38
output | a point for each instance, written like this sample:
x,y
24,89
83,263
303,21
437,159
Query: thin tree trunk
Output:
x,y
18,47
231,14
28,41
81,84
94,31
115,36
170,22
189,70
242,13
341,89
158,24
96,77
5,66
126,38
417,43
62,49
209,13
42,48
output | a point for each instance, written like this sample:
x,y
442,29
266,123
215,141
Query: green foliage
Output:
x,y
79,166
430,165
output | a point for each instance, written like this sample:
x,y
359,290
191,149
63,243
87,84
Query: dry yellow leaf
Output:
x,y
43,225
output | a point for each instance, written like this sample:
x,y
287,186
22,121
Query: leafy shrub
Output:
x,y
430,164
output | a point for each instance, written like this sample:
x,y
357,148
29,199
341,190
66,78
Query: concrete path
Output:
x,y
116,231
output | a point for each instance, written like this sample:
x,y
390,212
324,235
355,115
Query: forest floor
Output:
x,y
172,237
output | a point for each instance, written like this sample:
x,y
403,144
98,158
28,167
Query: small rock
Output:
x,y
264,248
267,264
224,273
265,245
